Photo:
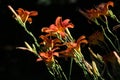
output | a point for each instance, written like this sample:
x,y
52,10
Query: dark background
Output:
x,y
22,65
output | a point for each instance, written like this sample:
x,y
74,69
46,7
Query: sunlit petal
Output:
x,y
58,21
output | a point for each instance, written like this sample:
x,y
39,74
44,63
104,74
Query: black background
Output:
x,y
22,65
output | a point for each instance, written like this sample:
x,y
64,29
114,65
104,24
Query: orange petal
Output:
x,y
53,27
20,11
58,21
39,59
56,54
29,20
80,38
44,55
84,41
70,25
57,40
71,45
44,29
110,3
66,21
44,38
33,13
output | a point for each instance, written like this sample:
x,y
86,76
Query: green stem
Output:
x,y
79,60
69,34
63,73
96,22
108,38
59,37
30,33
71,60
51,72
106,22
59,69
70,70
116,19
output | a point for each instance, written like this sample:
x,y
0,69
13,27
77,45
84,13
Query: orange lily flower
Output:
x,y
49,42
69,52
48,56
46,41
59,26
74,45
101,9
104,7
25,15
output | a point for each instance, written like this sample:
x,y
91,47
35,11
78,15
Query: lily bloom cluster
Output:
x,y
57,35
101,9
